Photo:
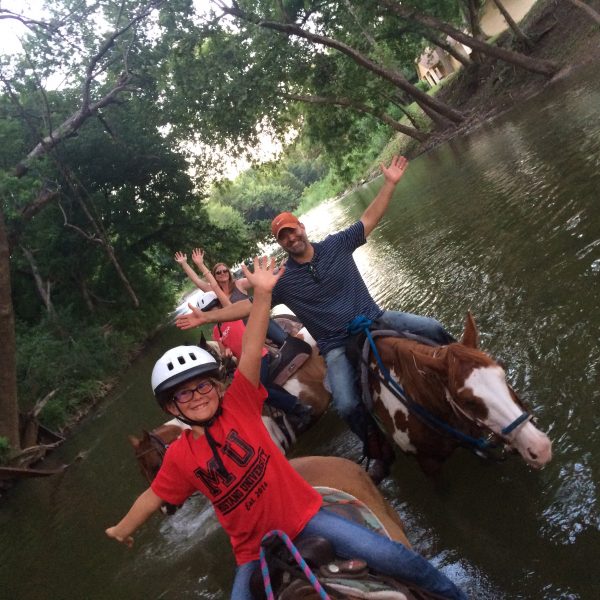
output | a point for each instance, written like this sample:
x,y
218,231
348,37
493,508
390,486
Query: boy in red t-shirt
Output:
x,y
230,457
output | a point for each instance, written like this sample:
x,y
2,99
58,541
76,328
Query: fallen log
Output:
x,y
22,473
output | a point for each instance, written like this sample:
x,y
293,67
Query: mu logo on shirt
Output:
x,y
229,490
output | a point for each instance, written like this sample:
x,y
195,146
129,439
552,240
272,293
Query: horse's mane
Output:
x,y
412,363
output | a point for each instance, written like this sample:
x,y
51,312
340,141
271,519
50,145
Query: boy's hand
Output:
x,y
180,257
112,533
395,171
193,319
265,274
198,256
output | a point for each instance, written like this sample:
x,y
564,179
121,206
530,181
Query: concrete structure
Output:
x,y
435,64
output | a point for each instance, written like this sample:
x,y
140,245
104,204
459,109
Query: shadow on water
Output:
x,y
504,222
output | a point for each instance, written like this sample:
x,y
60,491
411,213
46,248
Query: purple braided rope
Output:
x,y
264,568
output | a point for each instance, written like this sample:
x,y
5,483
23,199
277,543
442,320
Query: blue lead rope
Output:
x,y
362,324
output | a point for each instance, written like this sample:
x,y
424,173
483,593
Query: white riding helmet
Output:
x,y
207,301
178,365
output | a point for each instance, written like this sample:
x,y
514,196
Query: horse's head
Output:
x,y
150,450
477,389
227,364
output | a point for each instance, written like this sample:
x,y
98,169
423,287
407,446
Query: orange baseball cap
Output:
x,y
283,220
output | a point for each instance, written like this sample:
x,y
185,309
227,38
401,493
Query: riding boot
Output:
x,y
379,453
376,449
300,417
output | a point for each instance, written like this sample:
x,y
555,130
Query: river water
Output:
x,y
504,222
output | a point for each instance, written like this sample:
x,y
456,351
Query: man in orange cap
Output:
x,y
324,288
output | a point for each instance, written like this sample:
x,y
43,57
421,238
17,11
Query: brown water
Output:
x,y
505,223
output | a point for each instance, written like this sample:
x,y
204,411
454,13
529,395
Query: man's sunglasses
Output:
x,y
221,271
312,269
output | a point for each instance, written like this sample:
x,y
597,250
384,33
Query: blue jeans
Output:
x,y
351,540
276,333
343,378
277,396
241,583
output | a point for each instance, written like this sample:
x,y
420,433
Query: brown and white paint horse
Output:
x,y
459,385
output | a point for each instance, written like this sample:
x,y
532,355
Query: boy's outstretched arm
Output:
x,y
233,312
263,280
142,509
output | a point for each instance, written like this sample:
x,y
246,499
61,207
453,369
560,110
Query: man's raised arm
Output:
x,y
392,175
233,312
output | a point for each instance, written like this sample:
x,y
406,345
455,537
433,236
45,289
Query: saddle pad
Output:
x,y
351,508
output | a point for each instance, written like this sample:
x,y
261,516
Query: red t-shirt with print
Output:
x,y
262,492
230,334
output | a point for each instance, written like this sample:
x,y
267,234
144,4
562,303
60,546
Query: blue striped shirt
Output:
x,y
329,291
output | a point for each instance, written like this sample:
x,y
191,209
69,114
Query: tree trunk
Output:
x,y
43,289
9,410
103,239
394,77
544,67
474,26
513,25
362,108
595,15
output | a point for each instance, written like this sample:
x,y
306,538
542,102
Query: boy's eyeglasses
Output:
x,y
314,273
184,396
221,271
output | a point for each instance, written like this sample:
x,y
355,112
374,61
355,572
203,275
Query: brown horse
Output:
x,y
459,386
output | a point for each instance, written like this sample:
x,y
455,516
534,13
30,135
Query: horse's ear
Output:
x,y
203,343
135,442
470,336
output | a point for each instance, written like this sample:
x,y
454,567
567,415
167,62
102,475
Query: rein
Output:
x,y
264,567
479,445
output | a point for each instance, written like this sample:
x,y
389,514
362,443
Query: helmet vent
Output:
x,y
181,360
192,356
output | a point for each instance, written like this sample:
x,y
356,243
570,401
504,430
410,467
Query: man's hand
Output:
x,y
180,257
191,320
198,257
113,533
265,274
396,170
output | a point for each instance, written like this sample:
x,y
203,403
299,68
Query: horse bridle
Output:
x,y
523,418
158,445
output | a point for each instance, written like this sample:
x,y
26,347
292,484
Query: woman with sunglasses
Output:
x,y
236,290
229,456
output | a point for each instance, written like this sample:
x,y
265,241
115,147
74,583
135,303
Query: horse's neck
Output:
x,y
425,386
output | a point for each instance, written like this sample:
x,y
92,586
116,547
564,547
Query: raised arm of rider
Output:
x,y
233,312
263,279
198,258
141,510
392,175
199,283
